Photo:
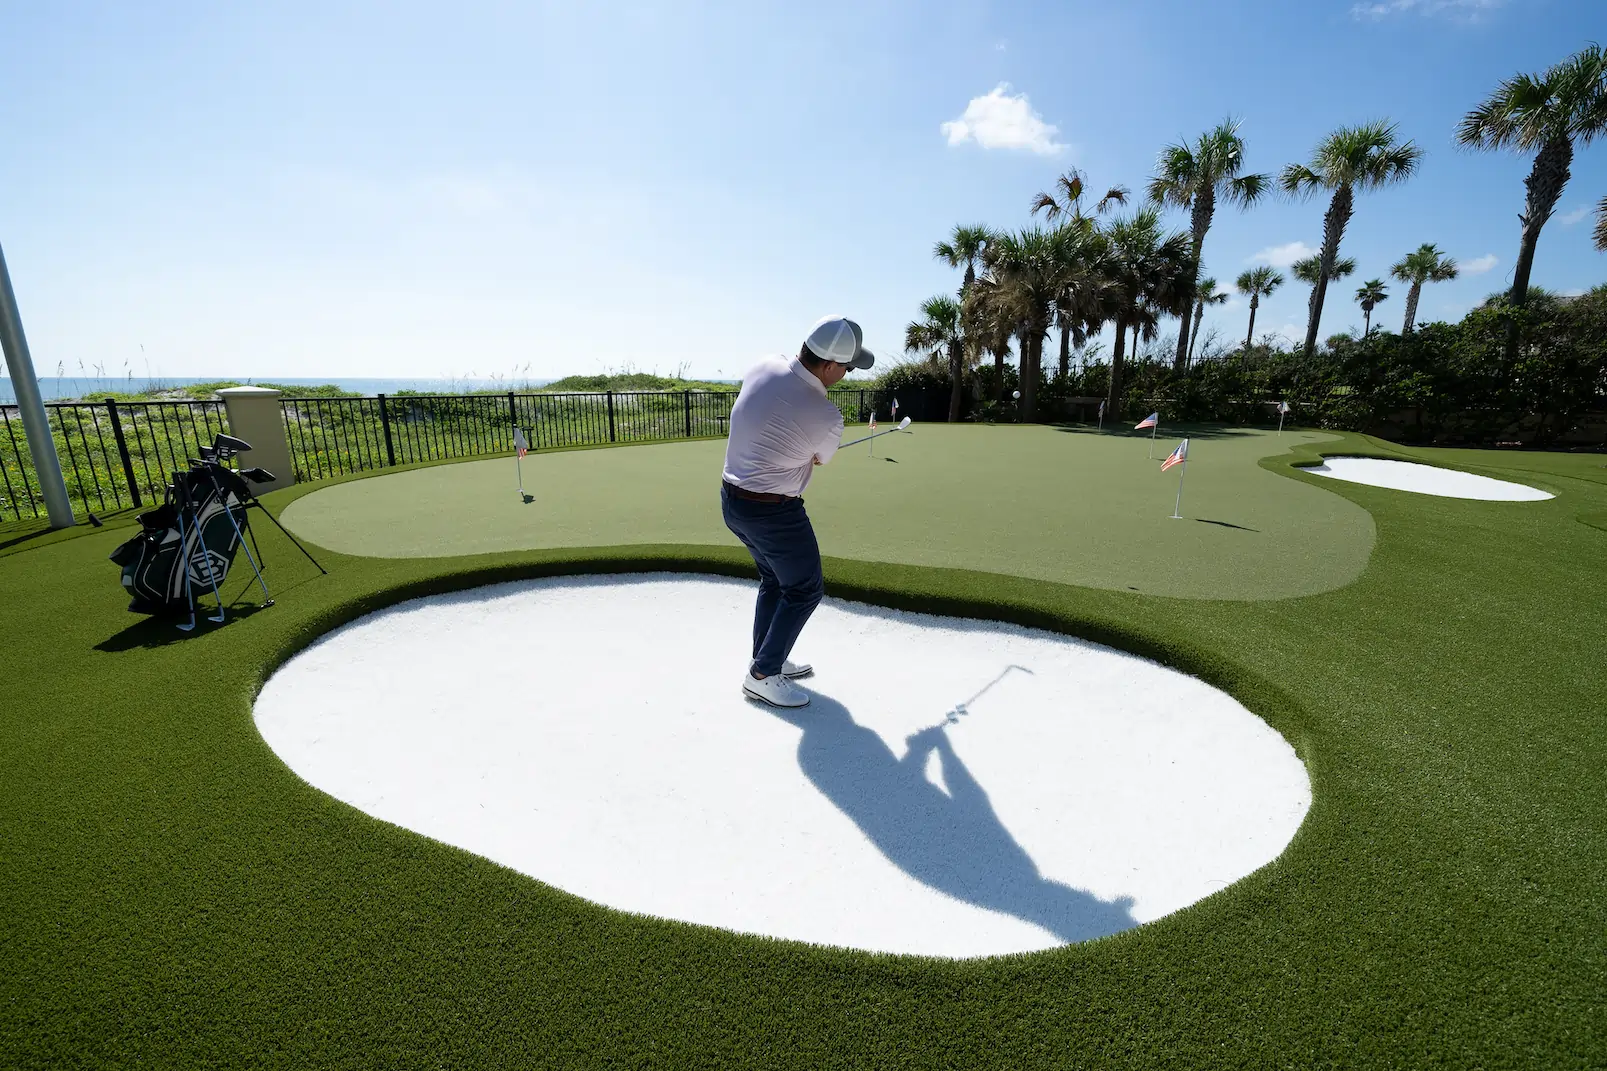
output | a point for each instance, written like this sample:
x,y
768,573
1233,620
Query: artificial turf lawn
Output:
x,y
1046,503
174,896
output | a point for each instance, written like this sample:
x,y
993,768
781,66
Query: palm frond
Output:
x,y
1599,234
1246,190
1116,195
1298,180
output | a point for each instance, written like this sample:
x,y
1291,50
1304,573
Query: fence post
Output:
x,y
385,422
513,411
686,397
122,452
861,403
255,416
610,416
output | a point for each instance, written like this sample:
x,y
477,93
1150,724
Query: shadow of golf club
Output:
x,y
954,841
1227,524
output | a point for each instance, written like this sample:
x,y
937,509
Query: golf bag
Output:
x,y
187,544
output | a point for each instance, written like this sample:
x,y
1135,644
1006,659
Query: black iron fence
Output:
x,y
113,455
116,455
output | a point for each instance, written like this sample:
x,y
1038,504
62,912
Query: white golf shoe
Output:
x,y
789,668
775,689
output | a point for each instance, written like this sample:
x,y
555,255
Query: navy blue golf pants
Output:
x,y
782,542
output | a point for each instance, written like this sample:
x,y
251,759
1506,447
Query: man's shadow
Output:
x,y
953,842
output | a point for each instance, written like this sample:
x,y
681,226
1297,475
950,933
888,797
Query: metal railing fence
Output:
x,y
116,455
113,454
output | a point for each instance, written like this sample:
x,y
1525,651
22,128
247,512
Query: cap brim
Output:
x,y
863,359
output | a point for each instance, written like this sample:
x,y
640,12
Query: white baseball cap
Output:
x,y
837,338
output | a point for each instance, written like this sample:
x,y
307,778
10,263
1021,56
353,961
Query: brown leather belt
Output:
x,y
757,496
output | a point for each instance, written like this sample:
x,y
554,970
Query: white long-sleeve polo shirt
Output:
x,y
781,422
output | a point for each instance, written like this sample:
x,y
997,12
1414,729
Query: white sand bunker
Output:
x,y
1425,479
956,788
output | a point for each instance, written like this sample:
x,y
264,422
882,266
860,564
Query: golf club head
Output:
x,y
903,424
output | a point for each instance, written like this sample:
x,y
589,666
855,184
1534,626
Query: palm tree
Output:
x,y
1256,284
1370,295
1365,157
1309,270
1205,293
1600,233
966,246
1544,115
1426,265
1031,267
1150,274
1193,177
990,318
941,335
1071,186
1066,201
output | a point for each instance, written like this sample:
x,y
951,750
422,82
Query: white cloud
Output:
x,y
1461,10
1576,292
1575,216
1479,265
1281,256
998,120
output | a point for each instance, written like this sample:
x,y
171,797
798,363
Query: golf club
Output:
x,y
902,424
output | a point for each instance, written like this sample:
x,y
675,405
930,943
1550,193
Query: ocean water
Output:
x,y
56,388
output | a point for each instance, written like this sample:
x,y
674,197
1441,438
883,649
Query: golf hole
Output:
x,y
1425,479
955,788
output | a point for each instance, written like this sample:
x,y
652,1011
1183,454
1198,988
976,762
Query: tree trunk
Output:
x,y
1255,300
1113,392
956,371
1031,363
1545,182
1194,336
998,370
1200,222
1411,306
1065,351
1333,229
1366,322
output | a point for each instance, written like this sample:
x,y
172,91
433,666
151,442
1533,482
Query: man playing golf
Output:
x,y
782,426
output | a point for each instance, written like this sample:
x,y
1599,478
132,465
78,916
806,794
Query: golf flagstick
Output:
x,y
1152,429
872,435
520,445
1180,458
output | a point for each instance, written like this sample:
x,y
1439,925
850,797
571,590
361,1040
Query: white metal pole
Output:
x,y
47,466
1280,421
1177,506
1152,429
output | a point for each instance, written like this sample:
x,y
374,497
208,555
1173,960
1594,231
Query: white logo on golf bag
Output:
x,y
199,558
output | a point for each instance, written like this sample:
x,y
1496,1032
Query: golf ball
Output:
x,y
1016,394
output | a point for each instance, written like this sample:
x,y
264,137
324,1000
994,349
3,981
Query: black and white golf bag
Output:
x,y
191,538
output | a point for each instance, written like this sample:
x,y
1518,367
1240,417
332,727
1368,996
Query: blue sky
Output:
x,y
340,189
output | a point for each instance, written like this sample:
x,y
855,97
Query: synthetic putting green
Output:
x,y
172,895
1070,507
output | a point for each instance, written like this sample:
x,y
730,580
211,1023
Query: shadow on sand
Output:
x,y
950,841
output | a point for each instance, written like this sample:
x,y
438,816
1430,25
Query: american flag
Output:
x,y
1148,422
1283,407
1176,457
895,409
1102,407
520,445
873,420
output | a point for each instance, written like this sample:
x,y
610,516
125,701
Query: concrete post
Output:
x,y
254,416
42,447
